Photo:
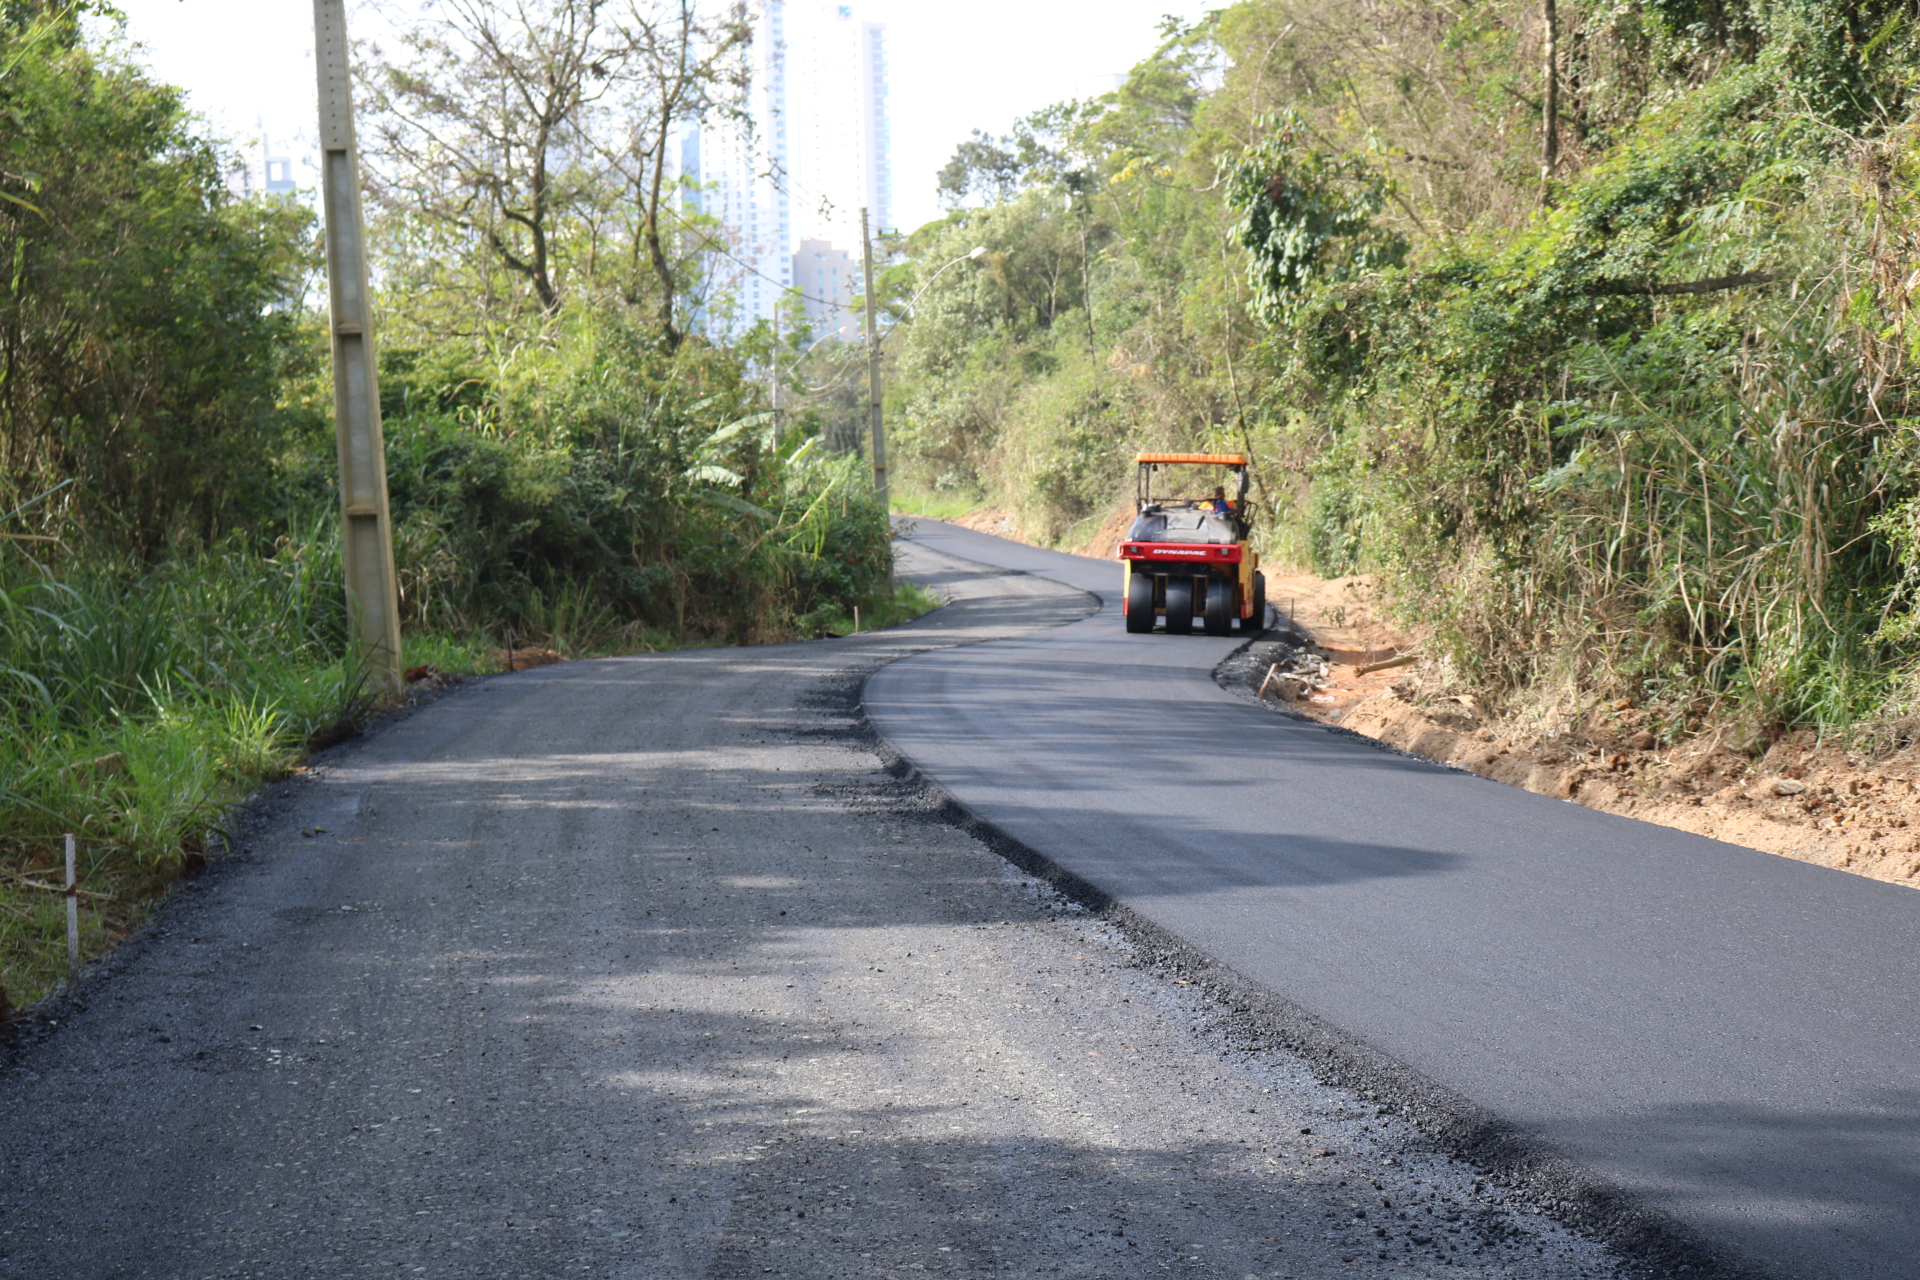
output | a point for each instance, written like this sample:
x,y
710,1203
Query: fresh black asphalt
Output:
x,y
1726,1037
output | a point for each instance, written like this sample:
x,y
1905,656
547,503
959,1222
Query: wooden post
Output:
x,y
1273,673
366,530
73,916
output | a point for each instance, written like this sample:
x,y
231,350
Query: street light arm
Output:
x,y
880,489
977,252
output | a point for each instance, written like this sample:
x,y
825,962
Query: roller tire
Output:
x,y
1219,621
1140,603
1179,605
1256,622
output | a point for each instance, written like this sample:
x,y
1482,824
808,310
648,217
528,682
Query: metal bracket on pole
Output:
x,y
366,527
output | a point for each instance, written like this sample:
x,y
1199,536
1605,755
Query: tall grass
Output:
x,y
935,505
1703,502
1703,529
136,704
1718,532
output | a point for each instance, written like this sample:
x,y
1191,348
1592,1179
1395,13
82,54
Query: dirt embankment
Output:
x,y
1800,799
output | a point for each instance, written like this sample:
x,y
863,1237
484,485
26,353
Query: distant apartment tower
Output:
x,y
266,163
278,170
816,153
838,71
736,170
828,280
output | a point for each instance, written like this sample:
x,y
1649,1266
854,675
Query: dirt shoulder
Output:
x,y
1800,799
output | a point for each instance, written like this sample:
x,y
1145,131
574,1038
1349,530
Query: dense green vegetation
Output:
x,y
1611,382
1630,413
570,466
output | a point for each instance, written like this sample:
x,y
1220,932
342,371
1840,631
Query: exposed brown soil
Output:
x,y
1341,615
1105,542
522,659
998,521
1800,799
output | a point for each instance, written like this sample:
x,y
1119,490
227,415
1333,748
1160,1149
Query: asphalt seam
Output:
x,y
1257,1018
1263,1020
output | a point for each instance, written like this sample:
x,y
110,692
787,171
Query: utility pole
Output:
x,y
366,526
1550,103
773,362
873,372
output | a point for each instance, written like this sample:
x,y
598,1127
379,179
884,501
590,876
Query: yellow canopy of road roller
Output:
x,y
1197,459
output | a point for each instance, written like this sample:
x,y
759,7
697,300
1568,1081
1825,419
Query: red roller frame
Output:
x,y
1180,553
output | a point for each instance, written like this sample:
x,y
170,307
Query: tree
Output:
x,y
680,68
981,165
540,130
1306,217
995,170
144,314
484,127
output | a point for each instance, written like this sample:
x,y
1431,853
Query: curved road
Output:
x,y
1727,1036
647,969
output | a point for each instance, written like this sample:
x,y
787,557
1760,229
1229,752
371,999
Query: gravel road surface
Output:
x,y
1729,1037
651,967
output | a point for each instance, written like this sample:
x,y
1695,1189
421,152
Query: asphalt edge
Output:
x,y
240,827
1651,1245
1655,1246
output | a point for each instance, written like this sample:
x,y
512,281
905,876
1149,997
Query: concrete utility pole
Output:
x,y
873,372
366,526
773,361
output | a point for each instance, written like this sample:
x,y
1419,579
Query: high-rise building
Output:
x,y
815,153
828,280
736,170
278,170
837,68
264,163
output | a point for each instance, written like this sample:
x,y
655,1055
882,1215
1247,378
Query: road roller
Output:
x,y
1186,559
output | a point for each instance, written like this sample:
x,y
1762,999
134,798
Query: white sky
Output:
x,y
952,68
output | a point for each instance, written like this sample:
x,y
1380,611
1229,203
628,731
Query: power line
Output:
x,y
715,246
748,266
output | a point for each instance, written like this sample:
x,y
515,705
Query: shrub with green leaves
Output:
x,y
146,316
650,490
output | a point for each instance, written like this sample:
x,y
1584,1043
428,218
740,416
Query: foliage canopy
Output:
x,y
1640,422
